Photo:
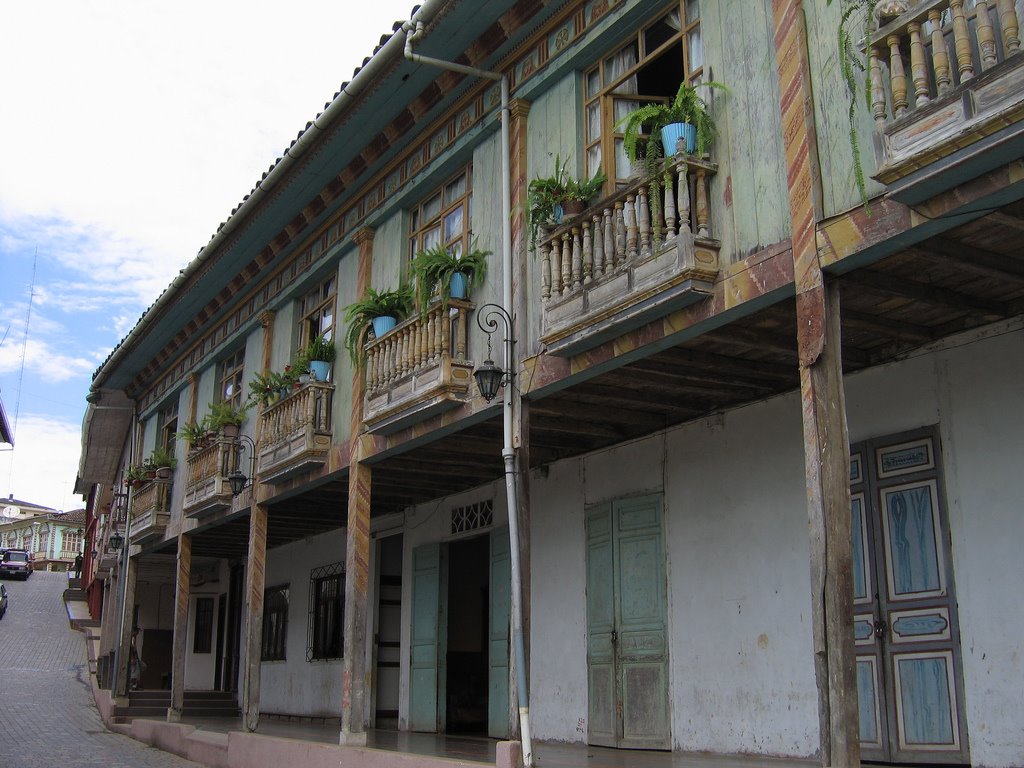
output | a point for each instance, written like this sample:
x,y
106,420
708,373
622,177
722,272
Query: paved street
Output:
x,y
47,715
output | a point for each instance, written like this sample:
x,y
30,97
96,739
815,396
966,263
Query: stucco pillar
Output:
x,y
255,581
180,646
826,441
124,621
355,671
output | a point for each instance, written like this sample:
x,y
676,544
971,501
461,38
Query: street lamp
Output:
x,y
489,378
238,479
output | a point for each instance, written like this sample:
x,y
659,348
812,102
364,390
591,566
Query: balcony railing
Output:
x,y
626,261
295,433
418,368
150,507
943,76
207,489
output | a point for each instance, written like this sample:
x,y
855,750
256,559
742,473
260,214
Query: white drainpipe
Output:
x,y
413,31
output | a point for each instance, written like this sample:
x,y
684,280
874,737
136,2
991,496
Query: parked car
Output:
x,y
17,562
3,600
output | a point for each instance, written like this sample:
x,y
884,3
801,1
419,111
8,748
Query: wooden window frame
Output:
x,y
603,97
318,311
275,623
231,374
202,636
424,223
325,635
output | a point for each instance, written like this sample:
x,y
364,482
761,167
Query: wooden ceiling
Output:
x,y
967,277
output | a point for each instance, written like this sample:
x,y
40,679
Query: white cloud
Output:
x,y
44,463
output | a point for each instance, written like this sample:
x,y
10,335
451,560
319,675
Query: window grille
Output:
x,y
202,641
326,627
275,623
473,516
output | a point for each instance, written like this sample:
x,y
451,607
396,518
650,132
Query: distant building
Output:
x,y
55,537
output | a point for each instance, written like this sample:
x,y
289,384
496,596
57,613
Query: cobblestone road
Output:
x,y
47,715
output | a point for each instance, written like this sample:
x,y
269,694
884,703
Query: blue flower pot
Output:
x,y
321,369
383,324
671,133
457,287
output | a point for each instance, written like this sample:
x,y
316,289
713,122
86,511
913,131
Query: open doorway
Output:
x,y
466,656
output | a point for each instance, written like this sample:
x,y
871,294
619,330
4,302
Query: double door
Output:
x,y
627,640
905,615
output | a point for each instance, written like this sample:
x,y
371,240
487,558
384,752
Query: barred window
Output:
x,y
647,67
275,623
316,312
232,371
202,640
444,217
325,631
473,516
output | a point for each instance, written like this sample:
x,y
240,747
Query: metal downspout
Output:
x,y
414,30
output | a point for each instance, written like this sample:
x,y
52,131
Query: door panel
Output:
x,y
424,667
498,636
627,647
909,680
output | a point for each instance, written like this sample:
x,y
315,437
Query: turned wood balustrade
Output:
x,y
152,496
212,460
305,410
625,228
944,43
416,344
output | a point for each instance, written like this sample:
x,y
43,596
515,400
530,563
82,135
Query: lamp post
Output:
x,y
238,479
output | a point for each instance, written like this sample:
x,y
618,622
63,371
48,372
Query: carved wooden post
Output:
x,y
180,642
597,224
545,271
669,206
631,227
577,259
567,265
702,203
588,253
961,41
986,35
354,670
918,65
643,209
1009,24
826,449
877,88
255,580
683,193
620,233
940,58
897,77
460,335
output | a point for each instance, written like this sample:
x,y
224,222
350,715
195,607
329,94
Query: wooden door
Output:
x,y
387,634
905,624
499,606
627,642
426,596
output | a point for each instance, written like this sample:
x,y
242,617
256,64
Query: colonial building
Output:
x,y
757,450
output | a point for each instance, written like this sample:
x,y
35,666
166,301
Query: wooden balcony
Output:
x,y
207,489
623,263
150,510
418,369
295,433
947,94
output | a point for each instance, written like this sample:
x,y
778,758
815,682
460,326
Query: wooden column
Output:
x,y
355,671
826,443
520,111
126,618
180,647
193,397
267,323
255,580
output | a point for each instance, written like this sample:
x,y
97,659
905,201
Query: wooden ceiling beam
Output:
x,y
901,287
968,258
890,329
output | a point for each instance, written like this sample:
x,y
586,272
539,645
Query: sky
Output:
x,y
130,129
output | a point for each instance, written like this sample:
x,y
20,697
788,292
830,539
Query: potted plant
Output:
x,y
439,270
164,461
319,356
135,475
380,309
226,418
192,433
550,197
667,122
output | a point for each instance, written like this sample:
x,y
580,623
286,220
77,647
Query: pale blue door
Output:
x,y
905,624
627,641
498,636
423,693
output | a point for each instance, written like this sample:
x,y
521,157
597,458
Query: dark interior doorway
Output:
x,y
466,658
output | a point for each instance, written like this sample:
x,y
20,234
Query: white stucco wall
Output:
x,y
296,686
742,677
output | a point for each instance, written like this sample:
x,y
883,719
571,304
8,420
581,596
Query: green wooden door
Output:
x,y
498,636
905,624
627,642
423,693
